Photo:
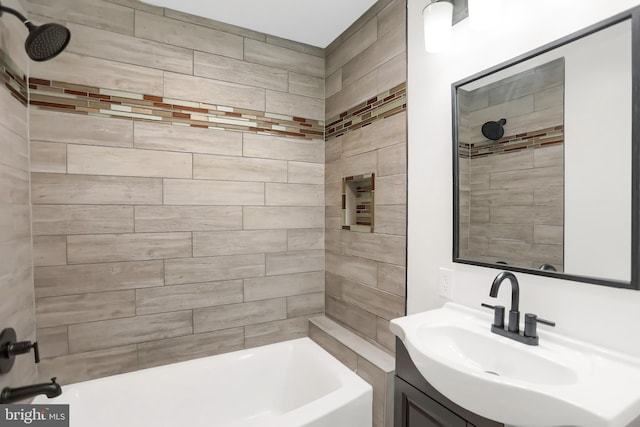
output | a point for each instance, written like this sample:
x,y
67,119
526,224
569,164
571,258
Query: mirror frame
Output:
x,y
634,283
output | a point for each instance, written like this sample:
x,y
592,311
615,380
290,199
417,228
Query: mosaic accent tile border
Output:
x,y
508,144
381,106
13,79
82,99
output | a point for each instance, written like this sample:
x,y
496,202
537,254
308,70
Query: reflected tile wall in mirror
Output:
x,y
511,188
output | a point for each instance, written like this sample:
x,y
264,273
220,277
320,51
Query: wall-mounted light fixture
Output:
x,y
438,18
484,14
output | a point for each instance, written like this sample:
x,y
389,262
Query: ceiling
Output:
x,y
313,22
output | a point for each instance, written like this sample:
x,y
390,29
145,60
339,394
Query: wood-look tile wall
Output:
x,y
16,280
169,71
154,242
365,272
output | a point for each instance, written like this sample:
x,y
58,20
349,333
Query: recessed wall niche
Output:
x,y
357,203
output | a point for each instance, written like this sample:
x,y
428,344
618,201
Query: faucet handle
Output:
x,y
545,322
498,314
22,347
36,352
531,322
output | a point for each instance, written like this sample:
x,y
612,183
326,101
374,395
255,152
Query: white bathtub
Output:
x,y
290,384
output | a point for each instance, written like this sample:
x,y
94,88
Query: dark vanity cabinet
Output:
x,y
418,404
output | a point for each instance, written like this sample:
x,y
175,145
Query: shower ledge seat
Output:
x,y
370,362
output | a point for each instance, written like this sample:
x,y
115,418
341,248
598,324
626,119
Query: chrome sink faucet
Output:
x,y
530,335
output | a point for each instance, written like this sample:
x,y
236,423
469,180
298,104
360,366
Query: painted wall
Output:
x,y
17,308
160,242
366,133
602,315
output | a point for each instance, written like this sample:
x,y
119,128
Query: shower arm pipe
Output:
x,y
17,14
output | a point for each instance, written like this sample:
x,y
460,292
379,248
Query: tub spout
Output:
x,y
11,395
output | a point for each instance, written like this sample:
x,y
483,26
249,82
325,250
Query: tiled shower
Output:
x,y
182,195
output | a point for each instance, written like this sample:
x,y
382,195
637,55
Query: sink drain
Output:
x,y
492,373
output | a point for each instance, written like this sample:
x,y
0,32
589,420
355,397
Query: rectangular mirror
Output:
x,y
546,159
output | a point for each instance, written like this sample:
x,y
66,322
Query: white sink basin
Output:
x,y
561,382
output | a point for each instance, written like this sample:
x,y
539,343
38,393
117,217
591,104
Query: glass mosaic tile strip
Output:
x,y
508,144
69,97
13,79
383,105
82,99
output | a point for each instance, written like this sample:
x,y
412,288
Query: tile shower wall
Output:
x,y
157,242
16,279
366,132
